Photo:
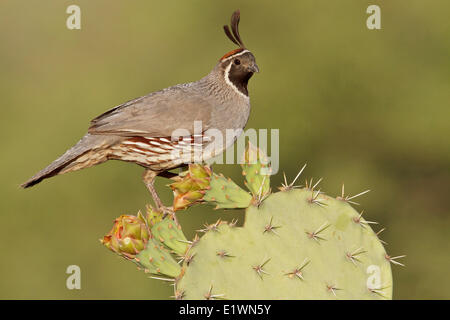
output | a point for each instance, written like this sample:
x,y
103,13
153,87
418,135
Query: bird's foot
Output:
x,y
169,211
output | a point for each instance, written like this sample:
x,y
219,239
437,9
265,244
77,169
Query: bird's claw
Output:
x,y
168,211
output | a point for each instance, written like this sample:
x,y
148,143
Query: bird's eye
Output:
x,y
237,62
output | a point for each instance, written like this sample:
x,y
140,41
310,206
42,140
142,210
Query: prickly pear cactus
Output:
x,y
297,243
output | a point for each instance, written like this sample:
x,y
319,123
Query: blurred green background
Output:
x,y
368,108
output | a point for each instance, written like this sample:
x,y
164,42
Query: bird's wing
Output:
x,y
157,114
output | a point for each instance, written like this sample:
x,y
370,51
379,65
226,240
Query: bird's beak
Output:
x,y
253,68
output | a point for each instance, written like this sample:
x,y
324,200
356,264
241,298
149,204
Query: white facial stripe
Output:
x,y
235,55
227,80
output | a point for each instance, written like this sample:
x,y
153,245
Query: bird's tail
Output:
x,y
89,151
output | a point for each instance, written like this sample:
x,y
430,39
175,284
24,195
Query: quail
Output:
x,y
142,130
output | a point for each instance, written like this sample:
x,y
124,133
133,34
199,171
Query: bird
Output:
x,y
142,130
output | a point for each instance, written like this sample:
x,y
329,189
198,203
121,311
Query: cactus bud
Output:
x,y
128,236
190,187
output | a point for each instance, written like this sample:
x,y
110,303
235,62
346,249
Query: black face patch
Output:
x,y
240,71
239,77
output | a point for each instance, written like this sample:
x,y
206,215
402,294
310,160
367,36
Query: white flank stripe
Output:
x,y
142,145
167,147
138,151
159,150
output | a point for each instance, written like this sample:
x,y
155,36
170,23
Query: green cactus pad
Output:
x,y
226,194
298,244
156,259
169,234
256,171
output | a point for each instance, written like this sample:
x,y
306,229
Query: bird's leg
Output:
x,y
149,179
